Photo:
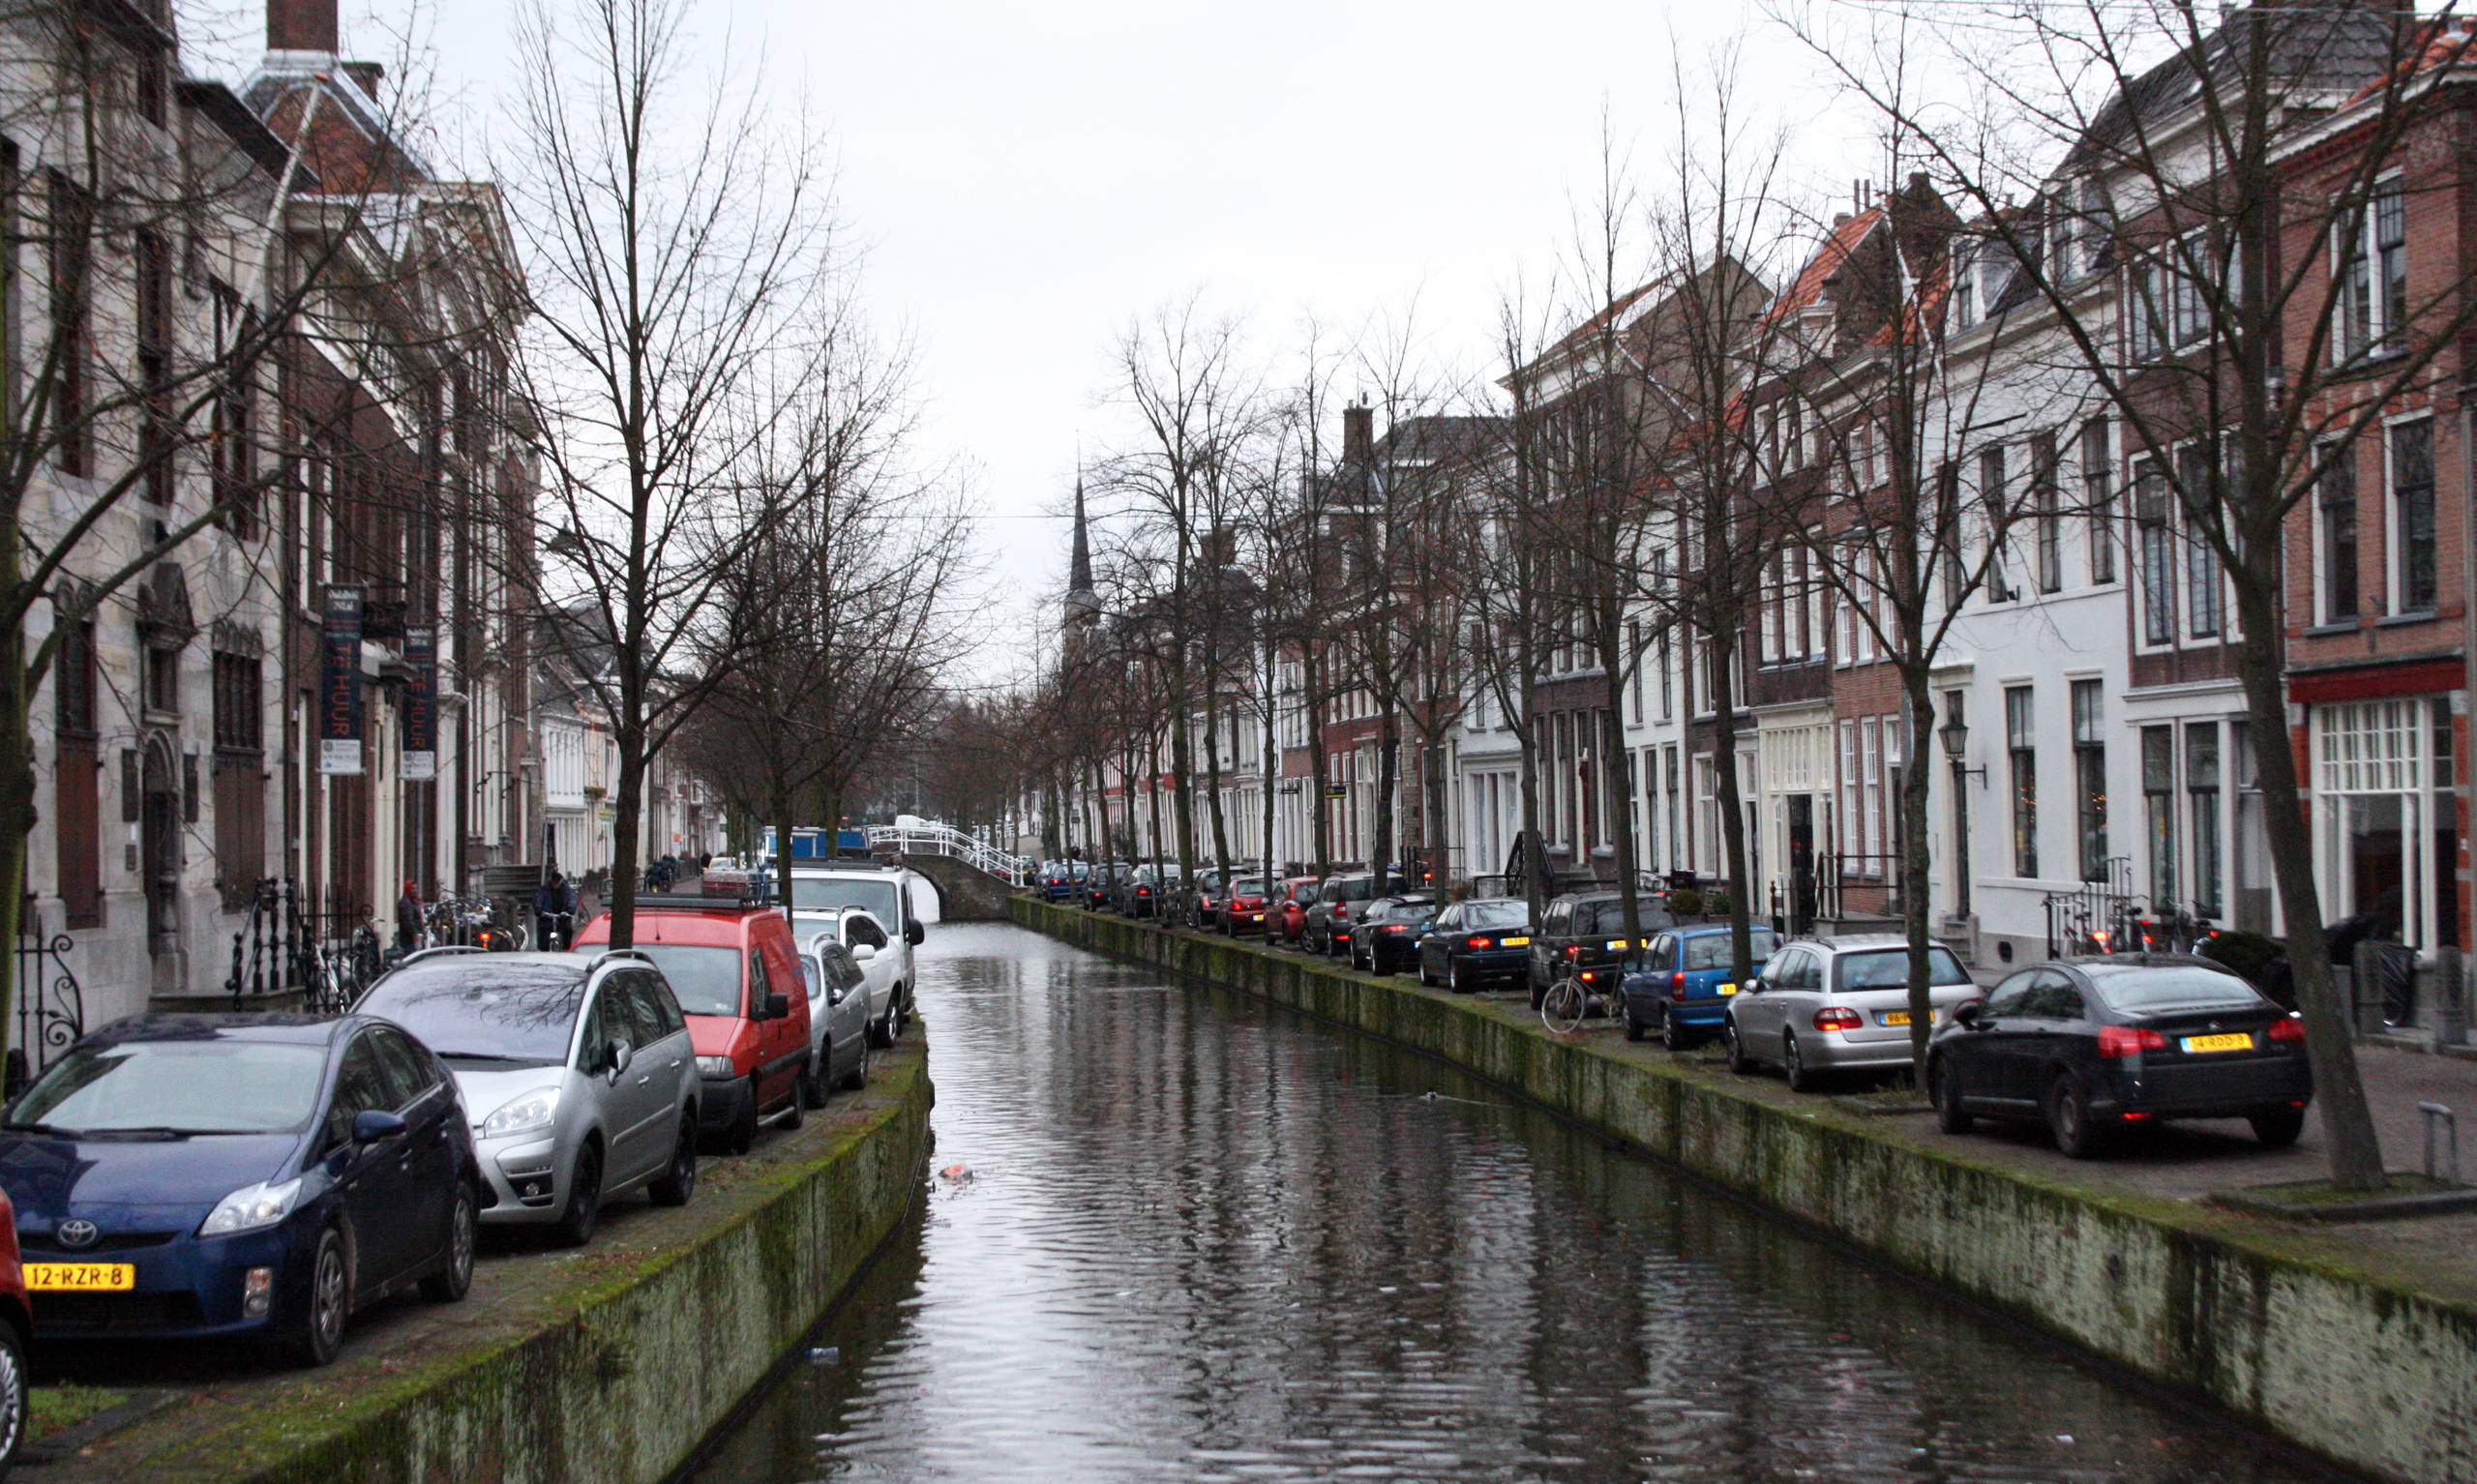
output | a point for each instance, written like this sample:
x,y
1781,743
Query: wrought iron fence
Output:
x,y
1837,875
51,1007
291,940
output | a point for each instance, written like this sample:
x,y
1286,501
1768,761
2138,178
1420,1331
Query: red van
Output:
x,y
736,974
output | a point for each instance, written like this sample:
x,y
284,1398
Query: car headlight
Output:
x,y
251,1207
716,1066
524,1114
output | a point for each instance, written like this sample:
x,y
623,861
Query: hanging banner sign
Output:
x,y
339,681
421,704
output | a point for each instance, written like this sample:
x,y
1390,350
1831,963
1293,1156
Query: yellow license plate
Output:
x,y
1900,1018
1514,942
1728,989
2234,1041
82,1277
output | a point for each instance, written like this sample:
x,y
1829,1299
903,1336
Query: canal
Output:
x,y
1199,1238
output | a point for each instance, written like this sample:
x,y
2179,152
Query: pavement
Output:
x,y
2187,1161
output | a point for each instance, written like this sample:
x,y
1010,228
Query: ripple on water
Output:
x,y
1209,1240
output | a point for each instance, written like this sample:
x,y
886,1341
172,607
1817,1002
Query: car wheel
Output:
x,y
1674,1036
584,1198
859,1076
1635,1029
1426,979
795,1107
16,1396
882,1029
1739,1062
2069,1116
1454,977
814,1085
1801,1078
454,1276
323,1324
2277,1127
1950,1116
679,1181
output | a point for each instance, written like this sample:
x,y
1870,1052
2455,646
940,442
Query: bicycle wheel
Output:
x,y
1563,1007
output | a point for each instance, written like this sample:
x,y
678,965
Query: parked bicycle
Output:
x,y
1575,998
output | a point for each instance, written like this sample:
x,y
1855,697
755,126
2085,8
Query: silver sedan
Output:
x,y
1838,1004
576,1071
838,989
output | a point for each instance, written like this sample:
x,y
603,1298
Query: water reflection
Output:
x,y
1205,1240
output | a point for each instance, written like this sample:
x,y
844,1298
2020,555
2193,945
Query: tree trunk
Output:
x,y
1319,764
623,837
1182,773
18,816
1535,860
1388,762
1618,773
1725,771
2338,1090
1272,769
1432,786
1916,859
782,814
1212,792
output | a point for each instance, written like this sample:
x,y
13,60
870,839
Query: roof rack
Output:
x,y
419,953
606,952
691,902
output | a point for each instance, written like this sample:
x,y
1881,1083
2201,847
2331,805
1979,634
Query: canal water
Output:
x,y
1203,1239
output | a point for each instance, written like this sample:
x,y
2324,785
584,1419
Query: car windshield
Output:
x,y
468,1006
210,1084
2155,991
1711,950
1495,914
706,980
1609,916
1410,912
1887,968
824,894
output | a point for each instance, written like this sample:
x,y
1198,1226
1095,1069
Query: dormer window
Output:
x,y
1966,308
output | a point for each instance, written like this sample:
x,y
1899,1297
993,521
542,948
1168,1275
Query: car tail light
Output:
x,y
1479,942
1839,1020
1394,927
2133,1118
1677,984
2127,1041
1587,976
2288,1027
1574,951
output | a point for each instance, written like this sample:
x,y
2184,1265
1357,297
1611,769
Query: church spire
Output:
x,y
1082,604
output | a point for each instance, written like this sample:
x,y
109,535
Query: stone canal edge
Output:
x,y
2367,1369
615,1364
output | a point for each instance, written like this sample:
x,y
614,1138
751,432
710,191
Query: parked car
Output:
x,y
1386,939
1061,880
1585,932
820,898
1243,909
1343,896
239,1176
1836,1004
1147,887
1203,902
1684,988
577,1074
736,974
1484,940
837,987
1100,885
2094,1046
1286,914
16,1326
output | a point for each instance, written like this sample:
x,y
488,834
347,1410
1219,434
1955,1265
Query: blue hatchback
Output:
x,y
238,1177
1684,986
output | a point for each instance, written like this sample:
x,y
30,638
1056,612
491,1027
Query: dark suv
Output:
x,y
1387,937
1587,932
1345,895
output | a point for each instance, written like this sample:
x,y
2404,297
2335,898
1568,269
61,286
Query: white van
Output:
x,y
821,899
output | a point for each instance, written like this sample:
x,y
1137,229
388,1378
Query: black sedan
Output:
x,y
1485,941
238,1177
2094,1046
1387,939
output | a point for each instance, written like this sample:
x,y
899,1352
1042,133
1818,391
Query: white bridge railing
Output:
x,y
946,840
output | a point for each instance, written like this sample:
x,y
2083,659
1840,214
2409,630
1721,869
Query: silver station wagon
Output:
x,y
1838,1004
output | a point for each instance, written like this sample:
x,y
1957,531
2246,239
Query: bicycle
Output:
x,y
1571,1000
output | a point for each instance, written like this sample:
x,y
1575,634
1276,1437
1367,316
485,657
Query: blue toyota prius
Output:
x,y
238,1177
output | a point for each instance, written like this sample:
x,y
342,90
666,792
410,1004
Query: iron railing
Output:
x,y
51,1007
948,841
2097,916
1839,874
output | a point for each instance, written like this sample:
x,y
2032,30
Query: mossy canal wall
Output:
x,y
618,1369
2367,1372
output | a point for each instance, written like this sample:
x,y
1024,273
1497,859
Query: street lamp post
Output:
x,y
1955,737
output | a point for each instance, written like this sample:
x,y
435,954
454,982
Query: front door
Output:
x,y
160,851
1801,863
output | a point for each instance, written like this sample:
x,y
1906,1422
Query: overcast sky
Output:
x,y
1029,178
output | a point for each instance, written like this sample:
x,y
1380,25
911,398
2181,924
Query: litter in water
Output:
x,y
956,1174
825,1355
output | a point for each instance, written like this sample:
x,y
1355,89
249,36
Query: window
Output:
x,y
2171,307
1948,481
78,781
2201,792
2412,515
1871,812
2334,499
2090,780
70,255
2205,597
1991,497
2020,740
2045,504
2369,256
155,364
230,455
2158,801
1634,662
2156,553
240,771
2099,498
1852,803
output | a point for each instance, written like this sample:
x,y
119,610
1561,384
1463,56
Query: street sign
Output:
x,y
1338,790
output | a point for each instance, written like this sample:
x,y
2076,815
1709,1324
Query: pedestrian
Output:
x,y
408,920
555,907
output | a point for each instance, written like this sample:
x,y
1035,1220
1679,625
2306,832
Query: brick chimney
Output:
x,y
301,26
1359,435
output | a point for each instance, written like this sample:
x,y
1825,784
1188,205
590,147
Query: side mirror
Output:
x,y
615,1058
862,952
777,1006
1969,1012
372,1124
914,933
